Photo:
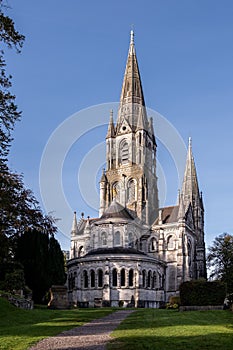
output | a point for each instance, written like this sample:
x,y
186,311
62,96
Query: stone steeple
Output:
x,y
132,103
131,150
190,188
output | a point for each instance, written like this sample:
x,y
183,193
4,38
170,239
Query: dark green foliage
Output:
x,y
26,234
220,260
14,281
201,293
43,262
9,114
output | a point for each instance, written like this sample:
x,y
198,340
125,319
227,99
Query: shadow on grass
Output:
x,y
213,341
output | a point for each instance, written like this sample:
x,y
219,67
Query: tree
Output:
x,y
22,222
220,260
9,114
43,262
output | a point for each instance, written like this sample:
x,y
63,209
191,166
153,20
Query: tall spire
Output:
x,y
190,188
132,87
131,92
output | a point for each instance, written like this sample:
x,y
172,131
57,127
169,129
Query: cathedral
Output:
x,y
136,253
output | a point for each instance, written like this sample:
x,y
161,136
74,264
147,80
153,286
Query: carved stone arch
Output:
x,y
116,189
123,277
103,238
92,278
114,277
131,239
123,151
131,277
153,245
85,279
80,251
117,238
171,242
144,278
100,276
149,279
154,280
131,190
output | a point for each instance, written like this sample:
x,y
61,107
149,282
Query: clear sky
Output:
x,y
74,58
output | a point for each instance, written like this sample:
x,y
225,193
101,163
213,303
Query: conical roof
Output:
x,y
116,210
132,93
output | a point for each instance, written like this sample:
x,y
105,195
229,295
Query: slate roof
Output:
x,y
114,250
169,215
116,210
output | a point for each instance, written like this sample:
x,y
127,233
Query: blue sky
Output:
x,y
74,57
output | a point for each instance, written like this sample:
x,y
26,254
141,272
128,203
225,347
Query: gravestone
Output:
x,y
58,297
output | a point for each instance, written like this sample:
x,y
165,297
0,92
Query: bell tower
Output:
x,y
130,175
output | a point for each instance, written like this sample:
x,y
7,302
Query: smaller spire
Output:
x,y
74,224
181,211
190,188
103,177
111,128
151,129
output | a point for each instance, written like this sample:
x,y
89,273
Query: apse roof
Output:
x,y
116,210
114,250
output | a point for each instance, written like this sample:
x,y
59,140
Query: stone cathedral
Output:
x,y
136,253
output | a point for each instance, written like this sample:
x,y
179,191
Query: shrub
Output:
x,y
174,302
201,293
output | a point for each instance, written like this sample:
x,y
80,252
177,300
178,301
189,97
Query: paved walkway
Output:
x,y
91,336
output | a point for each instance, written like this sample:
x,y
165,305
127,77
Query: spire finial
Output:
x,y
132,37
190,142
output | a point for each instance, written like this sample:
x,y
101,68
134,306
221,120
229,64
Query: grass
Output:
x,y
19,329
149,329
144,329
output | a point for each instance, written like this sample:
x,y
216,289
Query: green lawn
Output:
x,y
149,329
144,329
21,328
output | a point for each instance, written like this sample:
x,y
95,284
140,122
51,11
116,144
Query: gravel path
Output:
x,y
91,336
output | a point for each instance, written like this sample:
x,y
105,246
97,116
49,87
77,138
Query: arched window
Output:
x,y
116,191
114,277
130,240
117,238
131,191
124,152
100,278
153,245
85,279
154,280
149,279
144,278
103,238
140,138
189,253
130,278
92,278
170,243
80,251
122,277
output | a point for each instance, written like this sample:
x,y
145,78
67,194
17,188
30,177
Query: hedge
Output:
x,y
201,292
